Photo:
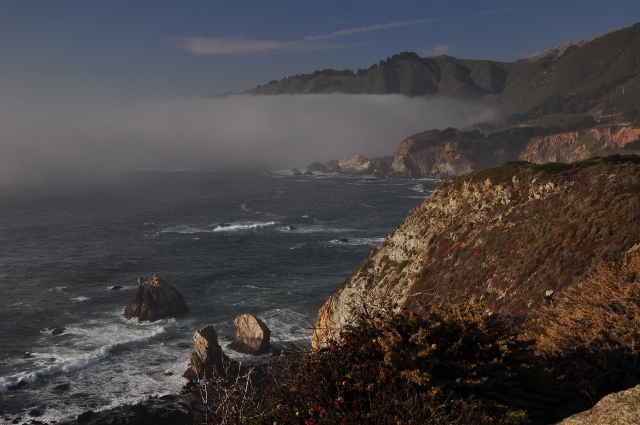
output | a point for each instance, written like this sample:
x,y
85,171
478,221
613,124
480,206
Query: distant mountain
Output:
x,y
599,76
557,53
407,73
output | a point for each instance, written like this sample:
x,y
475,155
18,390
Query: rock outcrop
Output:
x,y
359,164
503,236
318,167
436,160
156,299
252,335
207,357
578,145
621,408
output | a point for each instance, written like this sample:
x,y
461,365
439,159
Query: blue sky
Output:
x,y
161,49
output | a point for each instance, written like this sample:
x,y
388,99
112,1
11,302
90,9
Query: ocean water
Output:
x,y
252,241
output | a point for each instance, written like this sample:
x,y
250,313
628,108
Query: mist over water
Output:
x,y
45,137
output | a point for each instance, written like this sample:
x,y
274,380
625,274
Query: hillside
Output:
x,y
465,240
406,73
599,76
602,77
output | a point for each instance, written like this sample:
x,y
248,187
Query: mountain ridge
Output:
x,y
574,77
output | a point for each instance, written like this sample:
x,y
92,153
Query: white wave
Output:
x,y
356,241
244,206
79,299
63,360
417,188
315,228
183,228
244,226
57,288
222,227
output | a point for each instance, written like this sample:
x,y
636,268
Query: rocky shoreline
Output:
x,y
170,409
449,153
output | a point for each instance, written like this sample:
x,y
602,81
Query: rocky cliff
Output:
x,y
426,155
578,145
507,236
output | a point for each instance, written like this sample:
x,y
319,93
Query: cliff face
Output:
x,y
359,164
578,145
504,236
436,161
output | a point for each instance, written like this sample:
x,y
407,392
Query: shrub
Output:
x,y
593,332
442,365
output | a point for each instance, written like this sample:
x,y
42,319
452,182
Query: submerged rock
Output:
x,y
85,416
156,299
252,335
317,166
19,385
207,357
62,387
58,330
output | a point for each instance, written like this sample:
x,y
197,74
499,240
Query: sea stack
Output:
x,y
252,335
156,299
207,357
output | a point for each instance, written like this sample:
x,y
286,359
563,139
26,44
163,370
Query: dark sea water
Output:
x,y
221,238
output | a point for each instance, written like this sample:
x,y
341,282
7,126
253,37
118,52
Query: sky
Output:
x,y
161,48
97,87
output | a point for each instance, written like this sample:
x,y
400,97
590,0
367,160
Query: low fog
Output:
x,y
84,138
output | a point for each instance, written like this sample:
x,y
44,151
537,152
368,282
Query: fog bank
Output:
x,y
40,138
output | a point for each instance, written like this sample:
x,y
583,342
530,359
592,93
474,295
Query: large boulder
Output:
x,y
252,335
156,299
618,408
207,357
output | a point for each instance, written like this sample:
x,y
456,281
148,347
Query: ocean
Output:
x,y
255,241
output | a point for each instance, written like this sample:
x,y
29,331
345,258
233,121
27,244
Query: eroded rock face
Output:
x,y
464,241
207,357
357,165
440,159
252,335
156,299
578,145
615,409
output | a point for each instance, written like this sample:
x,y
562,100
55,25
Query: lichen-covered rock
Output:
x,y
621,408
252,335
503,236
156,299
207,357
